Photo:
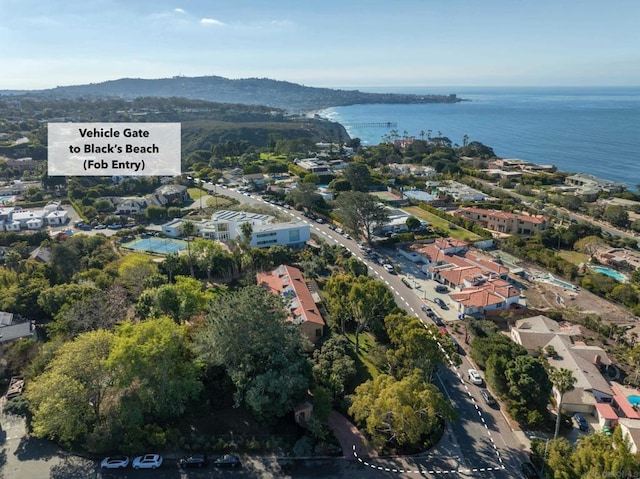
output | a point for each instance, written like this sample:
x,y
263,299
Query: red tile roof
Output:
x,y
506,215
605,411
492,292
623,403
286,279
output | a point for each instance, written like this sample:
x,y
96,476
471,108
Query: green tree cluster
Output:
x,y
400,414
246,333
115,390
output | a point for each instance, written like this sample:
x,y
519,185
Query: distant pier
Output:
x,y
376,124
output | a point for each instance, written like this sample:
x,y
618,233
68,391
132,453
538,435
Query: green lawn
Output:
x,y
441,223
196,193
271,156
574,257
219,201
366,368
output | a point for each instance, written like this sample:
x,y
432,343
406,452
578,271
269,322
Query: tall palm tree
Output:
x,y
188,229
564,381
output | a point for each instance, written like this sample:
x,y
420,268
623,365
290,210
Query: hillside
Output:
x,y
291,97
204,123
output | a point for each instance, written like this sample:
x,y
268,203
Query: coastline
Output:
x,y
586,130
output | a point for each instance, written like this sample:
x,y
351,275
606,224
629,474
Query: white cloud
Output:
x,y
211,21
179,10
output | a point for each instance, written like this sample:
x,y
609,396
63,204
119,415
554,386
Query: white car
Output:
x,y
148,461
474,377
114,462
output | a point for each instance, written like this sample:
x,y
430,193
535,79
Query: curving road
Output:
x,y
480,442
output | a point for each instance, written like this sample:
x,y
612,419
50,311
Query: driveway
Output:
x,y
348,435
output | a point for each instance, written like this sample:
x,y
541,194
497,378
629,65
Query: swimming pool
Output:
x,y
609,272
634,400
6,199
552,279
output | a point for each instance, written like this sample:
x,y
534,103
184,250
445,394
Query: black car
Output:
x,y
581,421
528,471
194,460
228,460
440,303
436,319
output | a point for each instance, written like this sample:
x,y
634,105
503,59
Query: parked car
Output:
x,y
114,462
488,398
440,303
459,348
427,310
474,377
438,320
148,461
194,460
528,471
228,460
581,421
407,283
389,268
440,288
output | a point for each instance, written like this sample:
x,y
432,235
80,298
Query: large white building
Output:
x,y
15,219
226,226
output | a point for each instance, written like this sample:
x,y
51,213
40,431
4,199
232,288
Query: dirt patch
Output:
x,y
550,297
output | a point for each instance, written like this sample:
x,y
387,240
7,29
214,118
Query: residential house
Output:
x,y
460,192
12,328
591,186
131,206
315,165
620,258
397,223
167,195
485,297
504,222
631,431
58,218
42,254
541,334
439,251
254,180
514,164
231,177
288,282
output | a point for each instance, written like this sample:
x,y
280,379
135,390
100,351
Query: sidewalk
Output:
x,y
347,435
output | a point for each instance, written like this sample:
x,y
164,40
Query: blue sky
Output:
x,y
366,43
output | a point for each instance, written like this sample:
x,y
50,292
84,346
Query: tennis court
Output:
x,y
385,195
156,245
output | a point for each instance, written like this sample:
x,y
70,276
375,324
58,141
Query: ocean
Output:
x,y
589,130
